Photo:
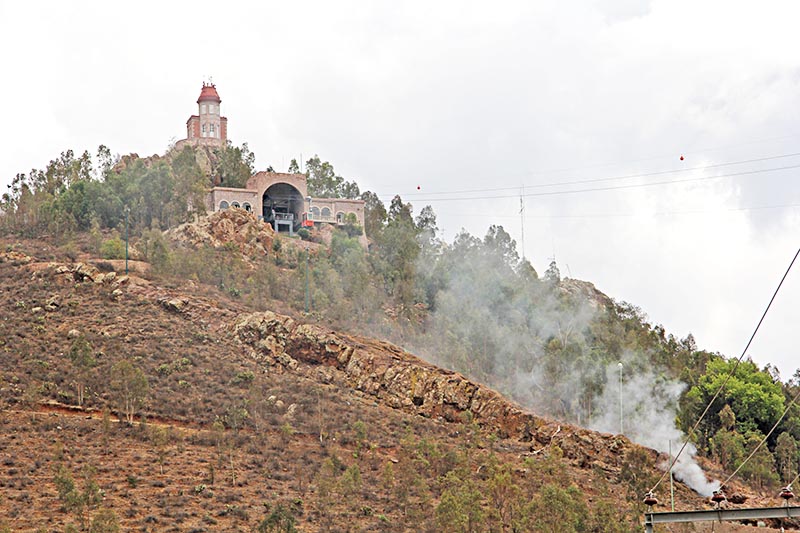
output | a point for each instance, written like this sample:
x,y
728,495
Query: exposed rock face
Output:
x,y
251,236
587,291
403,381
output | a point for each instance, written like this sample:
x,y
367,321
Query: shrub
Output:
x,y
113,248
245,377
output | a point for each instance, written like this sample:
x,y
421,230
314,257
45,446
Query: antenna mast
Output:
x,y
522,218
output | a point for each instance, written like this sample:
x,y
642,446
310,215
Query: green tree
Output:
x,y
505,496
82,357
786,456
129,386
727,447
460,507
557,510
191,185
73,500
552,275
351,481
754,397
233,165
113,248
760,469
396,256
375,214
323,182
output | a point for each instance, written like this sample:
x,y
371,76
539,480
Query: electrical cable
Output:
x,y
625,215
730,374
611,188
612,178
762,440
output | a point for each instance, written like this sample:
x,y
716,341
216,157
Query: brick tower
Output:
x,y
208,126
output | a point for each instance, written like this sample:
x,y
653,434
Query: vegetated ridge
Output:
x,y
252,419
163,346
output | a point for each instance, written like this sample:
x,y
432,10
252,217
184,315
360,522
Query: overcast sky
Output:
x,y
469,96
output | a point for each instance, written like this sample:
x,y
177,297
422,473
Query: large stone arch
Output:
x,y
283,206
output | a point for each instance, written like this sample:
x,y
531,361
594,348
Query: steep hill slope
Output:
x,y
257,419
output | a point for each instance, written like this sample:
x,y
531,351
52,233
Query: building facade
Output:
x,y
208,126
278,198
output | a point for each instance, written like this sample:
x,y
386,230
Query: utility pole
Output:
x,y
621,432
671,484
308,295
127,212
522,219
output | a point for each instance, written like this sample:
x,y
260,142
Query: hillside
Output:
x,y
256,420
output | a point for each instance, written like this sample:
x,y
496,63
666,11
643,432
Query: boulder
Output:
x,y
177,305
53,303
84,272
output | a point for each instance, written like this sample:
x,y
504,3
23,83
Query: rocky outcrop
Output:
x,y
234,227
176,305
15,258
403,381
585,291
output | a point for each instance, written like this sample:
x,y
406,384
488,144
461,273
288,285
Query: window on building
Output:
x,y
339,217
223,205
326,212
314,212
247,207
235,204
202,109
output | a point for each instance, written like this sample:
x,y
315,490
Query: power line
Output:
x,y
670,155
610,178
730,374
612,188
628,215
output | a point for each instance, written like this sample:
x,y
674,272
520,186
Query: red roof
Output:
x,y
209,94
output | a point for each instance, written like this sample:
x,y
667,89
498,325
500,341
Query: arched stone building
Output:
x,y
275,197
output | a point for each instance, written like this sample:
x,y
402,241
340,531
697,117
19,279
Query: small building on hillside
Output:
x,y
278,198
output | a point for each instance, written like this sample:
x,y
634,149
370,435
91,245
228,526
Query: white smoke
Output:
x,y
649,404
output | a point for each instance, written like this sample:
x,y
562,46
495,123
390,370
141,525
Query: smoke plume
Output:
x,y
536,341
649,404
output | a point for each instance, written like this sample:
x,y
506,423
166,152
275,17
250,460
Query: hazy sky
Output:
x,y
487,97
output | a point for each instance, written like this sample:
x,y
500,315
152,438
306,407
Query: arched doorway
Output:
x,y
283,207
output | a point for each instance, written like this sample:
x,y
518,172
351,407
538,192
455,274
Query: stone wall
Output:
x,y
217,195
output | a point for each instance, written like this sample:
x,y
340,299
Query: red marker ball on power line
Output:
x,y
681,158
417,187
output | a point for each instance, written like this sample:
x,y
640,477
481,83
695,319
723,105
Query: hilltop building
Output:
x,y
208,127
278,198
